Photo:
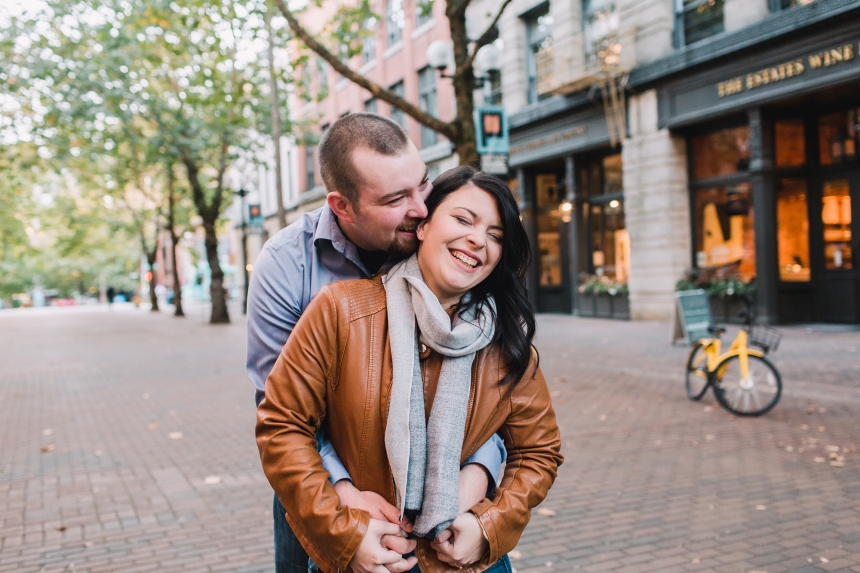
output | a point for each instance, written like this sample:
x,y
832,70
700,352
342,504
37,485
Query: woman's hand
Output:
x,y
371,502
373,555
462,543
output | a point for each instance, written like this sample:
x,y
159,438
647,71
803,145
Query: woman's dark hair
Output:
x,y
514,316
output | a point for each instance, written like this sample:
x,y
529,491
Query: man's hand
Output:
x,y
462,543
374,557
371,502
473,486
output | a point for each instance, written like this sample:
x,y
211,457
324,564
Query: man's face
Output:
x,y
391,198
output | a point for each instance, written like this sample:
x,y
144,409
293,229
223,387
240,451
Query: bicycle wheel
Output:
x,y
697,372
753,396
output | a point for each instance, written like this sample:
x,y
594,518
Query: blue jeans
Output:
x,y
503,565
290,557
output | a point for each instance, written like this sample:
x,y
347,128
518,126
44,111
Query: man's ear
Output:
x,y
419,230
341,206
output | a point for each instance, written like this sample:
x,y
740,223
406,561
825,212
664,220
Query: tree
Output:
x,y
173,78
347,34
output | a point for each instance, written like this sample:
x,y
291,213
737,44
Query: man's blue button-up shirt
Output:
x,y
291,268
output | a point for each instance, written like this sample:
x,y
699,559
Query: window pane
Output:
x,y
721,153
398,115
549,247
724,229
547,190
610,255
792,234
370,105
702,19
309,168
612,174
423,12
394,21
790,143
836,216
427,102
792,3
838,137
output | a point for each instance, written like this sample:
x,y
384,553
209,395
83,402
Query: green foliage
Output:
x,y
594,284
721,282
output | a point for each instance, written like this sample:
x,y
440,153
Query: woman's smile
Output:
x,y
465,259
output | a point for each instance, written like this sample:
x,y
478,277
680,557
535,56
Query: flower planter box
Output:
x,y
726,310
604,306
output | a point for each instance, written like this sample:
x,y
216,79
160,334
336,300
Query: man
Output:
x,y
376,184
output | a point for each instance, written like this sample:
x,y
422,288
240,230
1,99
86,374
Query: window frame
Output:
x,y
530,21
428,102
680,36
393,30
398,115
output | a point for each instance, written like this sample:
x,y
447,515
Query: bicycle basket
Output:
x,y
765,338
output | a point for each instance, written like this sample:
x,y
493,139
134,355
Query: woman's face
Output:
x,y
460,244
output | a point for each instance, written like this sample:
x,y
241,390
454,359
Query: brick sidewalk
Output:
x,y
126,444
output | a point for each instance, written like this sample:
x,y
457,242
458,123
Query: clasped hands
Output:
x,y
386,542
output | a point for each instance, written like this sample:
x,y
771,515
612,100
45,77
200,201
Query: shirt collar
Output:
x,y
328,230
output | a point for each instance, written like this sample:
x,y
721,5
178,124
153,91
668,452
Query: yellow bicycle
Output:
x,y
745,382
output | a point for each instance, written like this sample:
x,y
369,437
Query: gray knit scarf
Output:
x,y
425,458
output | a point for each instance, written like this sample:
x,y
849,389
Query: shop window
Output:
x,y
549,247
838,137
790,143
547,191
610,242
721,153
309,168
397,114
539,66
792,220
724,229
836,217
612,174
427,103
696,20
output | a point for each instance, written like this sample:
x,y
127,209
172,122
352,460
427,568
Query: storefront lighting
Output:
x,y
567,206
614,204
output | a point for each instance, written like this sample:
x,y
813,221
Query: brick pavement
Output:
x,y
652,481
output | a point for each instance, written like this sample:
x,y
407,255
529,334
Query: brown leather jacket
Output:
x,y
336,369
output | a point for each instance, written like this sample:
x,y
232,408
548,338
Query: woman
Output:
x,y
411,372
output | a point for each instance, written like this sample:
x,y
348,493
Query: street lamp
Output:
x,y
242,193
488,60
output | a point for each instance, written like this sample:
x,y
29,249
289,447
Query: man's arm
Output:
x,y
274,306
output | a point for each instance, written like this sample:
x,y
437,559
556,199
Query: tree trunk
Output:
x,y
217,292
150,260
174,240
464,85
276,123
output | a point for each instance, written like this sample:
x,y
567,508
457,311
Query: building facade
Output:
x,y
739,150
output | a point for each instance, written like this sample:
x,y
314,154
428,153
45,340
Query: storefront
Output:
x,y
569,182
773,149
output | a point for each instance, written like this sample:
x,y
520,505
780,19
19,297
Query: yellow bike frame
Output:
x,y
738,348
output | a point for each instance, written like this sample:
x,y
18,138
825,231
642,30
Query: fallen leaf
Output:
x,y
515,555
175,435
710,438
546,512
548,563
822,410
789,449
761,507
152,427
46,449
88,543
832,448
694,443
61,528
658,443
603,418
810,411
98,453
560,379
212,480
708,408
809,559
695,559
819,460
555,393
820,428
837,464
824,559
47,432
804,426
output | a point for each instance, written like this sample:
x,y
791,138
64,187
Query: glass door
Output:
x,y
837,279
552,239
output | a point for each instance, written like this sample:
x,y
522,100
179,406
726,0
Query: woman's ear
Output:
x,y
419,230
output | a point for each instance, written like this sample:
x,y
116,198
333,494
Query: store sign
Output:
x,y
538,143
495,163
255,215
787,70
491,126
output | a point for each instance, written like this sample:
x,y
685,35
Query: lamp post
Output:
x,y
242,193
440,55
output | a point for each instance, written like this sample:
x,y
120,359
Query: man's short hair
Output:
x,y
347,134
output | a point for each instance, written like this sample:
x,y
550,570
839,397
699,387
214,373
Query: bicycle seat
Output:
x,y
716,330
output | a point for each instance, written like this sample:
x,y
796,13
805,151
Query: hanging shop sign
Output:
x,y
491,127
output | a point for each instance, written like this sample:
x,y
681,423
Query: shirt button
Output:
x,y
423,349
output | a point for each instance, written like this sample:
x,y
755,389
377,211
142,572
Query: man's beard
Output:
x,y
402,247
